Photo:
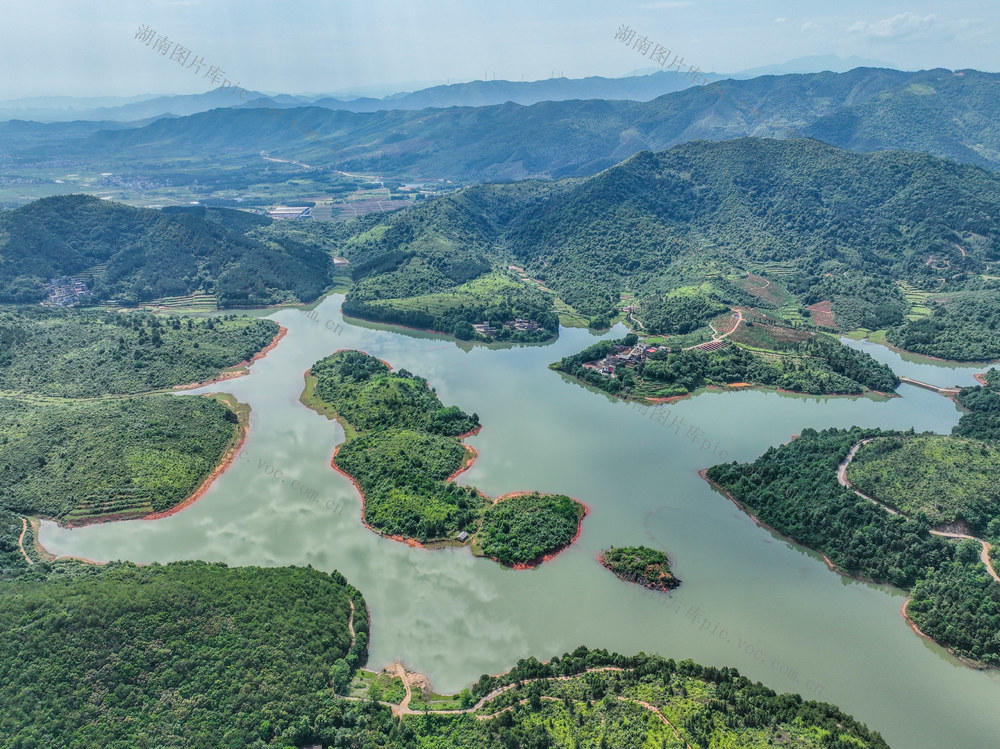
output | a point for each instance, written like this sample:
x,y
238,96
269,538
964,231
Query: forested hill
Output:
x,y
949,114
832,225
187,654
136,255
202,655
811,213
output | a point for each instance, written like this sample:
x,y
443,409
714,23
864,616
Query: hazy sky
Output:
x,y
80,48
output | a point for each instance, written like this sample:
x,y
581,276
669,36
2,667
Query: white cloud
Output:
x,y
782,19
898,27
808,25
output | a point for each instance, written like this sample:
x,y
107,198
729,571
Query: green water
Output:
x,y
772,609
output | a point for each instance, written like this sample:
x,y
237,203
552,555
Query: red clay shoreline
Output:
x,y
966,661
552,554
231,373
838,570
408,541
203,486
47,555
470,458
198,493
222,467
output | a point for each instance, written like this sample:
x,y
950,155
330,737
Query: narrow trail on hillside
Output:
x,y
656,711
844,481
350,624
716,336
403,708
20,541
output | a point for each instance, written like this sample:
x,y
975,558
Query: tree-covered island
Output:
x,y
642,565
403,449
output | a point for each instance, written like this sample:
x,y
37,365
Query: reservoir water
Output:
x,y
749,599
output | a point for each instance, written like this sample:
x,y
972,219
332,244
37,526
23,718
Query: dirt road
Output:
x,y
842,478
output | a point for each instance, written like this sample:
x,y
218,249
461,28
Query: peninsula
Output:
x,y
873,503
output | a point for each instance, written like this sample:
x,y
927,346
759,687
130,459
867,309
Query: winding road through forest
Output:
x,y
842,478
403,708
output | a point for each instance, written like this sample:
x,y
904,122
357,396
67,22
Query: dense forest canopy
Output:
x,y
186,654
74,354
525,527
983,402
944,479
963,326
74,449
794,489
203,655
833,225
370,397
403,449
133,255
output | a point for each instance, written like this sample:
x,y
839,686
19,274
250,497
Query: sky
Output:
x,y
89,48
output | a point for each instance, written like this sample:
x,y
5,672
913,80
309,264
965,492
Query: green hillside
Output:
x,y
201,655
188,654
945,113
842,225
144,255
80,461
403,448
821,224
76,354
929,480
943,478
963,326
73,448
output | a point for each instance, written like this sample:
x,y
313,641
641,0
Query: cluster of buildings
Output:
x,y
286,211
518,323
624,356
65,292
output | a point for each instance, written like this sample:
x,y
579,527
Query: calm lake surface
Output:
x,y
749,599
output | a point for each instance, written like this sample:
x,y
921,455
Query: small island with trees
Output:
x,y
642,565
403,450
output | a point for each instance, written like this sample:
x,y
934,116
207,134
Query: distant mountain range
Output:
x,y
944,113
471,94
144,109
486,93
641,86
814,64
